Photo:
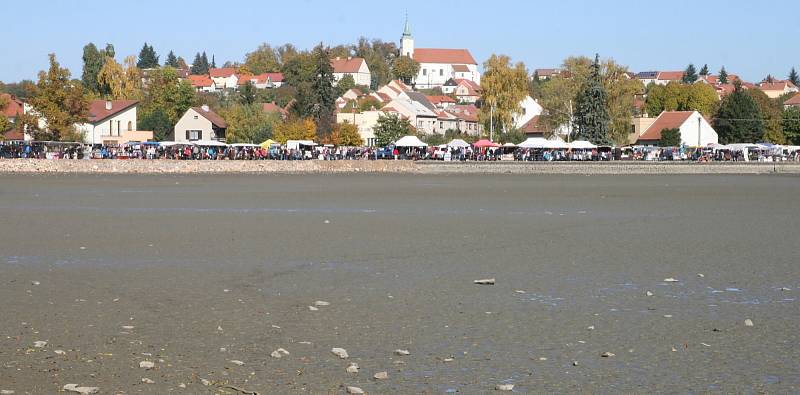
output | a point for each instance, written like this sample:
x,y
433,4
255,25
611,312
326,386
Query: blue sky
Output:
x,y
750,38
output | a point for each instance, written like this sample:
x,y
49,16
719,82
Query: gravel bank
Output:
x,y
321,167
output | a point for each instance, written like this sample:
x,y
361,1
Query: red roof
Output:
x,y
98,111
460,68
223,72
667,120
215,119
348,65
670,75
441,99
384,97
274,108
200,81
466,112
274,77
14,134
794,101
447,56
13,106
533,127
775,86
245,78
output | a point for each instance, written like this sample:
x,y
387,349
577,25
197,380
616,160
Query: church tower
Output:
x,y
407,42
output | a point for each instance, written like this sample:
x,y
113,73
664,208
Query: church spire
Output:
x,y
407,30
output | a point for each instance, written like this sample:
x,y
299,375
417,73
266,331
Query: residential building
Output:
x,y
545,74
438,65
530,108
200,124
353,94
659,77
534,128
467,91
365,121
14,107
390,91
420,116
695,131
203,83
441,102
225,78
354,67
111,122
777,89
467,121
793,102
273,108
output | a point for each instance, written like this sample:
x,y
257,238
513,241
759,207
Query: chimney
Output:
x,y
205,107
109,105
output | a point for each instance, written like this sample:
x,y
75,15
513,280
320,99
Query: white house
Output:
x,y
224,78
694,129
109,121
200,124
355,67
203,83
437,65
420,116
365,121
530,109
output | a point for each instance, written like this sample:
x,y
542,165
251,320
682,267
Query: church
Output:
x,y
437,66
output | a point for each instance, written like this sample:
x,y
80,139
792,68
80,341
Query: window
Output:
x,y
441,125
424,71
193,135
195,117
130,126
118,128
441,72
419,124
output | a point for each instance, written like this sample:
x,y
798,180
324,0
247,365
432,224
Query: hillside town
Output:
x,y
372,94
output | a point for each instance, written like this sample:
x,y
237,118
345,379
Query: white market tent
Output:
x,y
244,145
458,143
410,141
582,144
210,143
509,145
555,144
533,142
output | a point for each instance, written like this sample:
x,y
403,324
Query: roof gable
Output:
x,y
211,116
667,120
99,112
348,65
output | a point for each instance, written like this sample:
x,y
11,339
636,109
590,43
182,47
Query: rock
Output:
x,y
35,283
321,303
59,352
354,390
381,376
147,365
128,327
279,353
607,354
590,327
327,221
148,381
701,275
504,387
182,385
312,308
219,328
449,359
80,390
6,392
748,322
205,382
39,343
670,280
237,362
402,352
648,293
485,281
340,352
574,363
353,368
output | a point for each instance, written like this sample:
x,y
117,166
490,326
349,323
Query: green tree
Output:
x,y
264,59
323,92
391,128
670,138
504,87
247,94
621,92
120,82
681,97
345,84
738,119
147,58
791,124
213,62
24,89
182,63
5,124
346,134
157,121
690,75
405,69
200,64
172,60
247,124
558,94
93,61
591,114
169,93
380,56
723,76
793,77
704,71
771,114
61,102
297,129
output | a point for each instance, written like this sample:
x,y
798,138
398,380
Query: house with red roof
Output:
x,y
202,83
776,89
354,67
695,131
112,122
442,102
793,102
273,108
438,65
225,77
467,120
200,124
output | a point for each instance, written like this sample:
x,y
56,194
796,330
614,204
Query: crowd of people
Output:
x,y
153,151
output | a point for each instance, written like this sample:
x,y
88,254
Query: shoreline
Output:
x,y
46,166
